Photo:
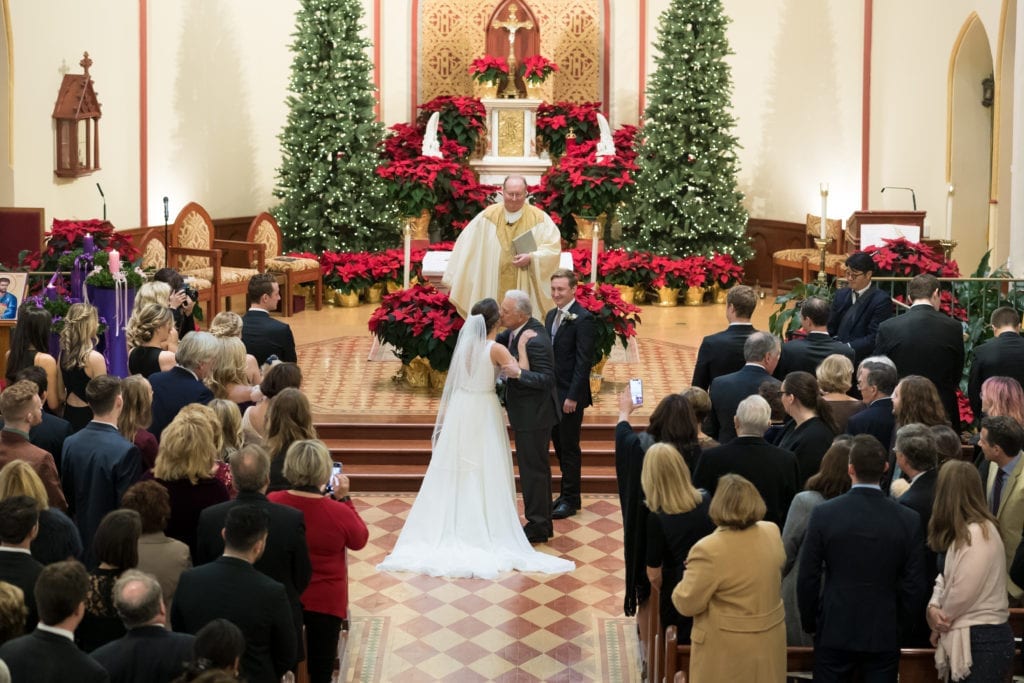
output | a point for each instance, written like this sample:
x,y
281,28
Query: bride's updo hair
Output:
x,y
488,308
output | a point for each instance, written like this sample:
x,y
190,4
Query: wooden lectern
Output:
x,y
861,218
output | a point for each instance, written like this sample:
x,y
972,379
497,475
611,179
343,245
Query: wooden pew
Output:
x,y
677,659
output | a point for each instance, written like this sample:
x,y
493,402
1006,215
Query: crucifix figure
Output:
x,y
512,25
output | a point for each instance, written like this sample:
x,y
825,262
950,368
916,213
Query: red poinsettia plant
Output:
x,y
488,68
460,123
586,185
347,271
623,267
613,317
419,321
556,121
66,240
724,271
581,261
902,258
414,184
536,69
681,273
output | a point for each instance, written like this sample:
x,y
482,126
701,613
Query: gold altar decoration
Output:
x,y
585,227
511,130
485,89
374,293
512,25
453,34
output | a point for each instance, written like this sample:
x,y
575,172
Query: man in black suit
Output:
x,y
183,384
876,381
772,470
262,335
232,589
1003,355
149,651
859,308
925,342
571,328
531,401
807,353
868,551
722,352
286,559
19,525
49,654
50,433
98,464
761,351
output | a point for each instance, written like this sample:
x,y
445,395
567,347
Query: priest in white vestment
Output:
x,y
484,263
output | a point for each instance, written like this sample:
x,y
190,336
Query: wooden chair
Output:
x,y
808,257
154,256
265,230
195,252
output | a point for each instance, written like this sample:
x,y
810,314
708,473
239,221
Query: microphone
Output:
x,y
104,200
913,196
167,212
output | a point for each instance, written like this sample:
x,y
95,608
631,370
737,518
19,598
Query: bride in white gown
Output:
x,y
464,520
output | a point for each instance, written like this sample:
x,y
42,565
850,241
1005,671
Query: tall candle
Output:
x,y
594,239
51,292
949,212
88,244
824,206
408,255
114,262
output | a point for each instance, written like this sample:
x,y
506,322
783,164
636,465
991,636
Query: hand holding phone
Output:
x,y
333,481
636,391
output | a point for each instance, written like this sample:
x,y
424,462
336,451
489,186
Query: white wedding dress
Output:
x,y
464,521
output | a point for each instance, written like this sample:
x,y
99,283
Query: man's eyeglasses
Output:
x,y
854,274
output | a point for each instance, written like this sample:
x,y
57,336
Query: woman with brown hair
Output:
x,y
968,611
279,377
58,538
917,400
701,404
30,345
732,587
811,432
163,557
79,361
116,547
835,377
832,479
289,419
148,331
136,416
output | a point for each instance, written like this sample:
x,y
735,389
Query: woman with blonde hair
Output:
x,y
30,345
79,361
228,377
148,331
732,587
157,292
968,612
230,419
289,419
136,416
835,377
185,465
58,538
229,324
279,377
679,518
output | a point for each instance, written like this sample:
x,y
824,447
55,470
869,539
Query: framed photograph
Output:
x,y
12,293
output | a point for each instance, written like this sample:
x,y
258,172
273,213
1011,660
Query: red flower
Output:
x,y
488,68
536,68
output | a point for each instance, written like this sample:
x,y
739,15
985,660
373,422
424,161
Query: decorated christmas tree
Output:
x,y
686,200
331,199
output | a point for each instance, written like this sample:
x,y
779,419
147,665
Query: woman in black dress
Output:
x,y
30,345
79,361
148,330
812,429
116,547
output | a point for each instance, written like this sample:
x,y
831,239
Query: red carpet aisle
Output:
x,y
521,627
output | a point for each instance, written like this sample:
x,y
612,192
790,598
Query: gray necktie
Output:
x,y
557,322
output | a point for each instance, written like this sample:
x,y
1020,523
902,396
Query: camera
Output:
x,y
191,293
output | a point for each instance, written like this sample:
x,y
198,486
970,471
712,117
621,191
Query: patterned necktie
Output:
x,y
997,490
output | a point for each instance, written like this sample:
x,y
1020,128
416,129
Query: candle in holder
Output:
x,y
595,236
51,292
88,244
407,255
824,206
114,262
949,212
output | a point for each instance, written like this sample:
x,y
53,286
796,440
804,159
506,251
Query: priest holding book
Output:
x,y
511,245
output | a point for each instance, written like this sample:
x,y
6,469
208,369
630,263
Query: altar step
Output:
x,y
392,454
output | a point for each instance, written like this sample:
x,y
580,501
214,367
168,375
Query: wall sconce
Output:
x,y
77,117
988,91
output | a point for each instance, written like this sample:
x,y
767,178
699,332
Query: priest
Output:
x,y
486,263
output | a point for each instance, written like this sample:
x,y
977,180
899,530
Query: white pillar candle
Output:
x,y
949,212
407,256
594,239
824,206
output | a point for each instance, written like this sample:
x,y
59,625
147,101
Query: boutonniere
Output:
x,y
568,317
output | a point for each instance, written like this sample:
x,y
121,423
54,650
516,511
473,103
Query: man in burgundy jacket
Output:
x,y
22,409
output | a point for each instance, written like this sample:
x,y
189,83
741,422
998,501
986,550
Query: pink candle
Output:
x,y
114,262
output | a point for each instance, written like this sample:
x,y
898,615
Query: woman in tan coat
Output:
x,y
732,587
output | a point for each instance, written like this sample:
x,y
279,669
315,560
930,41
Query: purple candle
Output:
x,y
88,245
51,292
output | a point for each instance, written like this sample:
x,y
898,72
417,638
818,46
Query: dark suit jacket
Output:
x,y
97,466
1000,356
726,393
286,559
877,419
232,589
869,553
919,498
573,349
771,469
532,400
22,570
264,336
43,657
806,354
858,325
146,653
173,390
50,434
720,353
925,342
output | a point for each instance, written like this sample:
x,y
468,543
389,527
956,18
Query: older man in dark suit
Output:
x,y
571,328
806,354
149,651
1002,356
183,384
722,352
533,410
761,351
861,579
859,308
49,654
876,380
262,335
232,589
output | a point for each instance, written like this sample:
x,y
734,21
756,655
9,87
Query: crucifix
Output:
x,y
512,25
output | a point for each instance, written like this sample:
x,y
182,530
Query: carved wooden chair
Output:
x,y
154,257
808,258
265,230
195,252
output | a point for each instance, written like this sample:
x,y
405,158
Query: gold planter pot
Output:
x,y
719,293
347,299
596,378
694,296
419,226
437,379
394,286
486,89
585,227
668,296
535,92
626,292
374,293
330,296
417,373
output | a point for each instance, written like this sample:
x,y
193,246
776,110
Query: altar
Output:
x,y
511,142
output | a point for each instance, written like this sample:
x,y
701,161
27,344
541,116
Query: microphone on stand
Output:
x,y
913,196
104,200
167,216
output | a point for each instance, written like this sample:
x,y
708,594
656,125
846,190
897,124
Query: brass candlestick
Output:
x,y
947,248
822,245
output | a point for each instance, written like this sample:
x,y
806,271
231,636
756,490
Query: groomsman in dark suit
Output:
x,y
722,352
923,341
761,351
807,353
1003,355
19,525
876,381
532,404
262,335
571,328
859,308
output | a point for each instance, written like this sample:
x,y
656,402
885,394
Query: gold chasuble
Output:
x,y
481,262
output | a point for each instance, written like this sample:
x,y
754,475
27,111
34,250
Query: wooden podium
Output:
x,y
858,219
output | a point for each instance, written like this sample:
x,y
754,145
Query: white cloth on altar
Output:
x,y
475,267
